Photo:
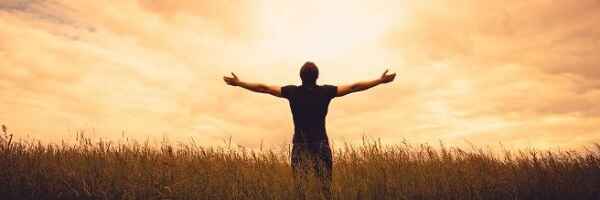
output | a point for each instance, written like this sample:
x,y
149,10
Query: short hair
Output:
x,y
309,73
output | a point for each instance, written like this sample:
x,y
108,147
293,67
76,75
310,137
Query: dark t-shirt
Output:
x,y
309,108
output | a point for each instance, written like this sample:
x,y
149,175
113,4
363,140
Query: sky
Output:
x,y
523,74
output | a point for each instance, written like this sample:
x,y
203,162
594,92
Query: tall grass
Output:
x,y
106,170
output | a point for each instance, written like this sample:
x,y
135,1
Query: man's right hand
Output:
x,y
233,80
386,78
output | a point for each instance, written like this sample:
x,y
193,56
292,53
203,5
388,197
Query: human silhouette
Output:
x,y
309,104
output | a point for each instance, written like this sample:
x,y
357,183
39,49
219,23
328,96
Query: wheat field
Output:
x,y
132,170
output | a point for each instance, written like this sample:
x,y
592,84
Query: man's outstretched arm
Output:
x,y
364,85
254,87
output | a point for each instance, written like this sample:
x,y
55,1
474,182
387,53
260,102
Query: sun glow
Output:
x,y
320,30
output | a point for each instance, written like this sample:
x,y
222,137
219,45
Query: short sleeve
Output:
x,y
287,91
330,91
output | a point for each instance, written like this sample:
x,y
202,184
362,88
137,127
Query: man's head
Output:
x,y
309,73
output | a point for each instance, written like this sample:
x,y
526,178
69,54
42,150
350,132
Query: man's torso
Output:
x,y
309,105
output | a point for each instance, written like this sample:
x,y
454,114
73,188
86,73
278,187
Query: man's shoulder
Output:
x,y
289,87
328,86
329,90
288,91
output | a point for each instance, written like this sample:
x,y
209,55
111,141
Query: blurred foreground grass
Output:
x,y
132,170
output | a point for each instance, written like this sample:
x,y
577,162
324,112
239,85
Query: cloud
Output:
x,y
523,73
558,37
513,61
67,70
235,18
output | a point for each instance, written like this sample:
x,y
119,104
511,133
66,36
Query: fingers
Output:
x,y
392,77
233,81
388,77
228,80
233,77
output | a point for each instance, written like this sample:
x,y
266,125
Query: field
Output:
x,y
132,170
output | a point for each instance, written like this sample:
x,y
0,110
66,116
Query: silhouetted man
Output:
x,y
309,103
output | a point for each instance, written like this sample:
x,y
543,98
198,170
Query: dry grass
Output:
x,y
106,170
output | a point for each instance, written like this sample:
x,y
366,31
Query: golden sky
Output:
x,y
520,73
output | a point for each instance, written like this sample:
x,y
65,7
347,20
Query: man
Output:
x,y
309,103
